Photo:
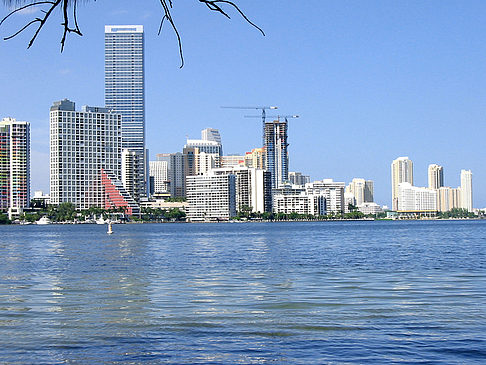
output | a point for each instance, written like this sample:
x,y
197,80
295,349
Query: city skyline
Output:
x,y
338,111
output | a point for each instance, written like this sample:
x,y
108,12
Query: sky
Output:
x,y
371,81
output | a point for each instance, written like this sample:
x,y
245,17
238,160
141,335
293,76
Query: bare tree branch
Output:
x,y
217,6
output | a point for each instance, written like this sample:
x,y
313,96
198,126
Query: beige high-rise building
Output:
x,y
401,171
448,198
362,190
466,190
436,176
255,158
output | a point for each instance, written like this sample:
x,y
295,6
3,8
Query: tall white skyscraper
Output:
x,y
14,164
125,90
436,176
401,171
466,190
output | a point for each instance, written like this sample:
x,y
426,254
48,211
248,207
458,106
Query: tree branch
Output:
x,y
167,5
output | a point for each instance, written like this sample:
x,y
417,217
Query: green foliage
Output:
x,y
456,213
179,199
4,219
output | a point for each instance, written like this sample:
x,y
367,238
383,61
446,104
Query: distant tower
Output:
x,y
436,176
401,171
211,134
125,91
277,157
14,164
466,190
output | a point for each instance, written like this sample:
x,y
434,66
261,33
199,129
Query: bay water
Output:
x,y
244,293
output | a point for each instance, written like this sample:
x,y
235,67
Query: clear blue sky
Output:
x,y
371,80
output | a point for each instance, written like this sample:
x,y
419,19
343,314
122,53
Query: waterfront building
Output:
x,y
132,172
295,199
362,190
436,176
369,208
416,199
296,178
159,174
82,144
253,188
211,197
401,171
466,190
333,192
115,195
276,151
448,198
14,165
176,173
125,93
255,158
349,199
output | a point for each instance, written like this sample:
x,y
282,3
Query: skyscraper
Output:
x,y
436,176
83,145
362,190
125,91
401,171
466,190
14,164
277,157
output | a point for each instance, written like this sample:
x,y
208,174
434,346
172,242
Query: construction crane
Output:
x,y
263,116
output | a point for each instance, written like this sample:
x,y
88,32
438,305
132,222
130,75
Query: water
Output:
x,y
281,293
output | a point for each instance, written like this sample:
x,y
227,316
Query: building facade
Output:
x,y
466,190
211,197
435,176
333,192
276,151
14,165
416,199
82,143
125,91
401,171
159,173
362,190
253,188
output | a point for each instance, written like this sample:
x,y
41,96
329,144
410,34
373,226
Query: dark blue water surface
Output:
x,y
249,293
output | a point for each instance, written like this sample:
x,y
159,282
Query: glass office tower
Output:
x,y
125,91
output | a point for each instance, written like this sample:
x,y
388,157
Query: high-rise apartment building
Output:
x,y
125,91
256,158
253,188
436,176
14,165
276,149
333,192
211,134
82,144
466,190
401,171
296,178
211,197
159,171
362,190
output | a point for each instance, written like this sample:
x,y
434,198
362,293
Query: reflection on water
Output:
x,y
244,293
